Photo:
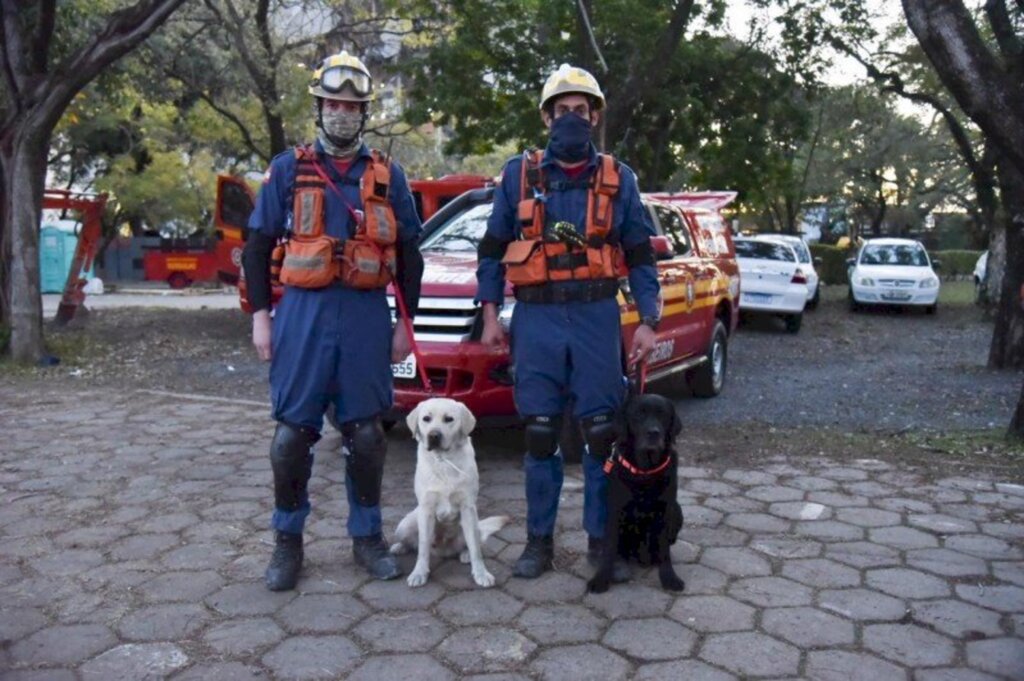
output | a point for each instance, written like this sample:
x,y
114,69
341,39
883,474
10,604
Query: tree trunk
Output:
x,y
24,172
1016,429
1007,350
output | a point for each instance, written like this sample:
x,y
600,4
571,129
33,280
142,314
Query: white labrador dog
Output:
x,y
446,487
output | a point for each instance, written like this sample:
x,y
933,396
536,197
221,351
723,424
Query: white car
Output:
x,y
807,263
893,272
980,286
771,279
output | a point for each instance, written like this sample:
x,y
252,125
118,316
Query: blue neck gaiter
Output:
x,y
570,138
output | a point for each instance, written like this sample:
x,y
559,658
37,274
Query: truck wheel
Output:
x,y
178,280
708,379
571,440
794,322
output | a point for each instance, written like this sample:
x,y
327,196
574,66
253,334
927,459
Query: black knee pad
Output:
x,y
542,435
291,458
600,432
366,446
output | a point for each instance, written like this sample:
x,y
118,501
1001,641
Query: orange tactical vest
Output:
x,y
534,260
309,258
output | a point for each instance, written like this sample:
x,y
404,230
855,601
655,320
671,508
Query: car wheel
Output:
x,y
794,322
854,305
812,304
708,379
931,309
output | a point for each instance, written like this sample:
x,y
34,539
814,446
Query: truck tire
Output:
x,y
708,379
794,322
178,280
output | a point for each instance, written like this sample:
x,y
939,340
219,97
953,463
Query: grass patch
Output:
x,y
969,445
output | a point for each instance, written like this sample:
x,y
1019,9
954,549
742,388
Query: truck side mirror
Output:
x,y
662,248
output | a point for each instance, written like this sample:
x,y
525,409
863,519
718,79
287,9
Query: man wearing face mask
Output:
x,y
335,223
567,222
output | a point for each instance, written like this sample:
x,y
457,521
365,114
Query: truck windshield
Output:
x,y
462,233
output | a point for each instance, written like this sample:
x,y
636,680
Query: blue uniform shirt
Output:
x,y
273,210
632,226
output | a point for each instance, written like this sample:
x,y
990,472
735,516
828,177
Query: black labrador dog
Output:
x,y
644,517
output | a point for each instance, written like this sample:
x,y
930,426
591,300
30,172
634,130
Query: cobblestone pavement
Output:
x,y
133,539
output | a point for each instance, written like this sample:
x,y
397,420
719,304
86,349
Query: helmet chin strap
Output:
x,y
338,141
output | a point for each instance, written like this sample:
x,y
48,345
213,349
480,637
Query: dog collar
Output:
x,y
616,458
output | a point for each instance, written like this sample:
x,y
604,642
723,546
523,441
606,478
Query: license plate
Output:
x,y
896,296
405,369
758,297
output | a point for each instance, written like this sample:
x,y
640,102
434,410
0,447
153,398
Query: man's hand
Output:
x,y
493,335
261,332
643,344
401,345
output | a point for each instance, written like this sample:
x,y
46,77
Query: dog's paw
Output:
x,y
482,577
598,585
464,557
672,583
418,578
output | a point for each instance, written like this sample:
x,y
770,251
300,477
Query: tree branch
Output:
x,y
1002,27
43,34
238,123
14,72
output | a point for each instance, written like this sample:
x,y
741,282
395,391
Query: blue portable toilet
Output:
x,y
56,251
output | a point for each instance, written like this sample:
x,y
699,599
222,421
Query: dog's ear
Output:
x,y
466,419
413,421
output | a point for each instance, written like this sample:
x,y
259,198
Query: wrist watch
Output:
x,y
651,322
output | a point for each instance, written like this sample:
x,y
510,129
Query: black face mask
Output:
x,y
570,138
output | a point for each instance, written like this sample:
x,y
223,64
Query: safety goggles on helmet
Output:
x,y
337,78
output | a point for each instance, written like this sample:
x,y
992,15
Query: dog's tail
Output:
x,y
492,525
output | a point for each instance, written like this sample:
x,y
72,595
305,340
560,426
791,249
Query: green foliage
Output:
x,y
832,269
956,263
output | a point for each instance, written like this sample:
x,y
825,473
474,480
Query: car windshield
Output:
x,y
764,250
910,255
462,233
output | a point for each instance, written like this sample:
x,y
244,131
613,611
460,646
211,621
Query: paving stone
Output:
x,y
941,524
734,504
842,473
787,548
248,599
198,557
947,563
38,675
638,600
952,674
1003,656
168,622
557,624
1005,529
479,607
904,505
964,483
135,661
243,637
1010,488
748,477
811,483
909,645
16,623
1007,599
903,538
1009,572
313,657
807,627
751,654
486,649
863,554
223,671
700,516
828,530
868,488
739,562
974,513
396,595
181,586
401,632
693,472
862,604
67,562
771,493
701,580
548,588
868,517
821,573
62,645
906,583
837,499
712,613
169,522
770,592
321,613
655,638
400,667
957,619
96,536
495,677
983,547
800,510
143,546
760,523
690,670
841,665
580,663
711,488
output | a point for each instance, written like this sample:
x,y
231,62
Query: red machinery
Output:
x,y
90,207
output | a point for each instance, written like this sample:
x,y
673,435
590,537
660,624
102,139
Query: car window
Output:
x,y
462,233
673,227
908,255
764,250
803,253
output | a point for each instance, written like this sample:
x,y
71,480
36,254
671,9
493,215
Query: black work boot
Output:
x,y
536,558
372,553
620,569
283,572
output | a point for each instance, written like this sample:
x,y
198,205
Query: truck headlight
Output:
x,y
930,282
865,281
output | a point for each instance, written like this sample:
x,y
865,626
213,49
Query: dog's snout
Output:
x,y
434,439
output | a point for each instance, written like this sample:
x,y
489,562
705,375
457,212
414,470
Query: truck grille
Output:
x,y
445,320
